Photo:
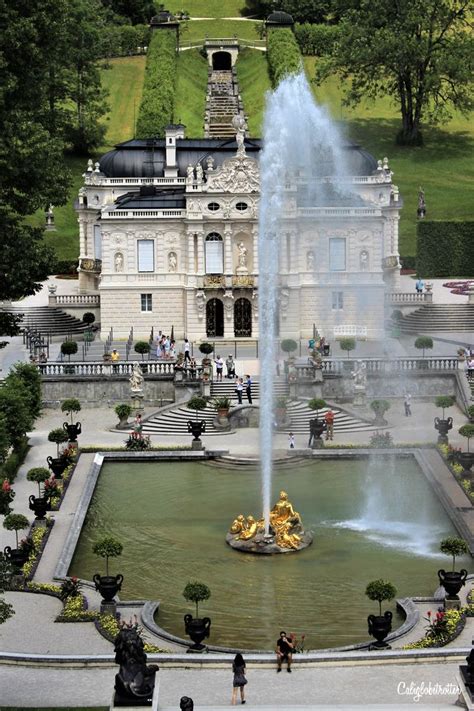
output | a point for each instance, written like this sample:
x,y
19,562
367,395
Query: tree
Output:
x,y
347,344
135,11
28,375
39,475
453,546
142,347
15,408
444,401
317,404
108,547
423,343
301,10
69,348
196,592
419,52
468,432
71,406
15,522
59,436
288,345
380,590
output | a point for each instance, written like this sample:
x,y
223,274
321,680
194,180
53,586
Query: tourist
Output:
x,y
238,667
192,368
284,651
172,352
248,388
230,365
329,419
219,368
291,440
419,286
187,355
239,387
407,403
137,427
470,368
166,348
42,357
114,357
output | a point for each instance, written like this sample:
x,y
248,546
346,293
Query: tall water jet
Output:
x,y
300,143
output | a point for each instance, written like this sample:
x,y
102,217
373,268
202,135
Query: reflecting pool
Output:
x,y
370,519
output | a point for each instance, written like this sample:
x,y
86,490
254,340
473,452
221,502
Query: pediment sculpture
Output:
x,y
238,174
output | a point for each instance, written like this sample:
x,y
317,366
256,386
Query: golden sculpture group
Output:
x,y
285,525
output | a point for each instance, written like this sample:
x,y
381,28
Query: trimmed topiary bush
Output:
x,y
71,406
283,55
454,546
157,104
445,401
380,591
59,436
468,432
142,347
288,345
15,522
196,592
445,248
39,475
107,547
69,348
347,344
317,404
423,343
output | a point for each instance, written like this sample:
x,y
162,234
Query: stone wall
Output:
x,y
103,391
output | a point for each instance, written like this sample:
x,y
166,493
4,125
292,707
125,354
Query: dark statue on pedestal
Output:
x,y
135,681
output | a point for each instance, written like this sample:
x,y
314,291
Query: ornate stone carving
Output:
x,y
310,260
284,302
242,280
242,266
239,174
200,303
214,281
228,300
364,260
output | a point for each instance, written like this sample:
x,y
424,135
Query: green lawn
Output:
x,y
199,29
208,8
190,99
254,82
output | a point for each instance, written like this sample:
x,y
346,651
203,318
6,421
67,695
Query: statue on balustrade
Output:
x,y
136,379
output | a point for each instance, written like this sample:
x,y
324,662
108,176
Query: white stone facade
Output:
x,y
205,248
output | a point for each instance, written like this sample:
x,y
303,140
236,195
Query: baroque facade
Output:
x,y
169,237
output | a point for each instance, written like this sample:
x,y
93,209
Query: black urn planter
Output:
x,y
108,585
39,505
452,582
379,627
196,428
443,427
197,628
16,556
57,466
466,460
72,430
316,429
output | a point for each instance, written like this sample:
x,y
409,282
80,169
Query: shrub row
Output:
x,y
124,40
9,469
316,40
283,55
156,108
445,249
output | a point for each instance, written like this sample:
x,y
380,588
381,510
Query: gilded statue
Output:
x,y
251,528
285,539
286,530
238,524
283,512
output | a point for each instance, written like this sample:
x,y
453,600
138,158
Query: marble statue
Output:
x,y
421,211
360,374
242,255
119,262
189,173
238,122
364,260
199,173
172,262
136,379
310,260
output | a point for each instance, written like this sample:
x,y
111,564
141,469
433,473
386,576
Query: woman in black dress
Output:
x,y
238,667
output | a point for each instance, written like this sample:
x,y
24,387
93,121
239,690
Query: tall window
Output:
x,y
146,255
337,254
146,302
97,242
337,299
214,254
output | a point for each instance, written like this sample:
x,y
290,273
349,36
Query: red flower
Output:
x,y
6,485
429,613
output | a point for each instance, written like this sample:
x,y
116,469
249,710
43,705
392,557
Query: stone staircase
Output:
x,y
49,320
223,102
439,317
174,420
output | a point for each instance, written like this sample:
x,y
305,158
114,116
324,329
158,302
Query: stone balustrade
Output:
x,y
75,300
394,298
383,365
93,369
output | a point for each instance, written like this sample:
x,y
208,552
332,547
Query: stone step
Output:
x,y
49,320
439,317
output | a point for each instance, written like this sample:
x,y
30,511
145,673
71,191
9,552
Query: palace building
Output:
x,y
169,237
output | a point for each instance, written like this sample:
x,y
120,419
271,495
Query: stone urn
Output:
x,y
452,582
466,460
16,556
198,629
316,428
379,627
72,430
108,586
39,505
196,428
443,427
57,465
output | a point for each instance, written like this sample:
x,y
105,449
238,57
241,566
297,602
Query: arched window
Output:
x,y
214,254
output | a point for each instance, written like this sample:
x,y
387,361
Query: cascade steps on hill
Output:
x,y
174,420
222,103
49,320
439,317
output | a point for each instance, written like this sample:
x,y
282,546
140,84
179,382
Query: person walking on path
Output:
x,y
284,652
187,355
407,403
291,440
219,368
248,388
239,387
329,419
238,667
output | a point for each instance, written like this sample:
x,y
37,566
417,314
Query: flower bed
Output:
x,y
61,487
442,628
39,536
448,454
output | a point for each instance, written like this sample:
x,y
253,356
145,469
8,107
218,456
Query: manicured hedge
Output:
x,y
124,40
316,40
156,108
445,249
283,55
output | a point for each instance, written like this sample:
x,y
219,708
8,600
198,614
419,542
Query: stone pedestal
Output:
x,y
360,396
108,608
452,604
137,401
196,444
206,388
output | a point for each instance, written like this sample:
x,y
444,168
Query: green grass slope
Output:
x,y
199,29
254,82
208,8
190,98
443,166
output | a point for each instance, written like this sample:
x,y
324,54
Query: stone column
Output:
x,y
255,248
191,264
82,237
201,268
227,250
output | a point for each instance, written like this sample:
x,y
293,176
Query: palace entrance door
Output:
x,y
242,318
214,318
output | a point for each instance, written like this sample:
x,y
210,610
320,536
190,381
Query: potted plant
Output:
x,y
16,522
71,406
69,348
222,405
380,625
6,497
288,345
316,426
38,504
444,425
347,344
206,349
123,412
197,427
453,581
59,463
108,585
466,459
197,628
423,343
380,407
